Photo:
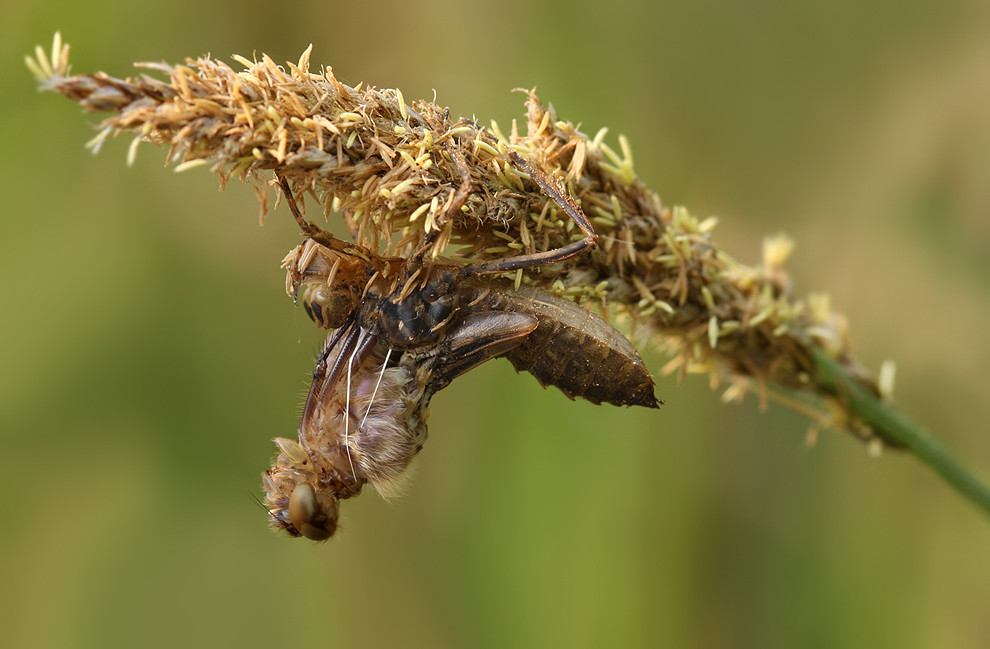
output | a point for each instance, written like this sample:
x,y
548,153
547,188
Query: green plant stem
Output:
x,y
892,425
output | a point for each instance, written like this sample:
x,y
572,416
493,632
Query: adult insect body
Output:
x,y
405,328
365,416
566,345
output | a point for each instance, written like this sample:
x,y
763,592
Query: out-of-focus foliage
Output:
x,y
150,353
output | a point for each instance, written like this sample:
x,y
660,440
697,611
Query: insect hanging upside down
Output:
x,y
404,329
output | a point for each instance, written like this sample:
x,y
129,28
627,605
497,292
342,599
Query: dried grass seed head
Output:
x,y
392,169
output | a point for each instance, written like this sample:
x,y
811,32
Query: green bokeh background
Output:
x,y
149,352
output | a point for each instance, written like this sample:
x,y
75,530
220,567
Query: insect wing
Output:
x,y
479,337
325,375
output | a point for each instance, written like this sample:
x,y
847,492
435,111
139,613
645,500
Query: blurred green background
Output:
x,y
149,352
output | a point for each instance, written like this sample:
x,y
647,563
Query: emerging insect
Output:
x,y
405,328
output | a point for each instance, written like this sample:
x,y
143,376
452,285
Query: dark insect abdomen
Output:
x,y
577,351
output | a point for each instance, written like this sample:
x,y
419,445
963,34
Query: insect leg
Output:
x,y
561,198
332,342
568,204
457,201
311,230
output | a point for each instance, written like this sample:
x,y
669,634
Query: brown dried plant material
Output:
x,y
390,169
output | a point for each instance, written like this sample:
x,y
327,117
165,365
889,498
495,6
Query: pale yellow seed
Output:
x,y
419,212
758,318
484,146
497,131
604,215
243,61
404,185
190,164
431,215
616,208
776,250
402,106
39,64
885,380
734,393
626,150
706,294
544,122
611,155
408,158
596,142
524,235
612,169
708,224
97,141
132,150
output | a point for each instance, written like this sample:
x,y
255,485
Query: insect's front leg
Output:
x,y
564,200
454,203
548,186
311,230
568,204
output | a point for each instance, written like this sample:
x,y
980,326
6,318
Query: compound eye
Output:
x,y
328,307
308,517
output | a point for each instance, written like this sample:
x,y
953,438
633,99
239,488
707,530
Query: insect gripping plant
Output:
x,y
470,244
440,320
